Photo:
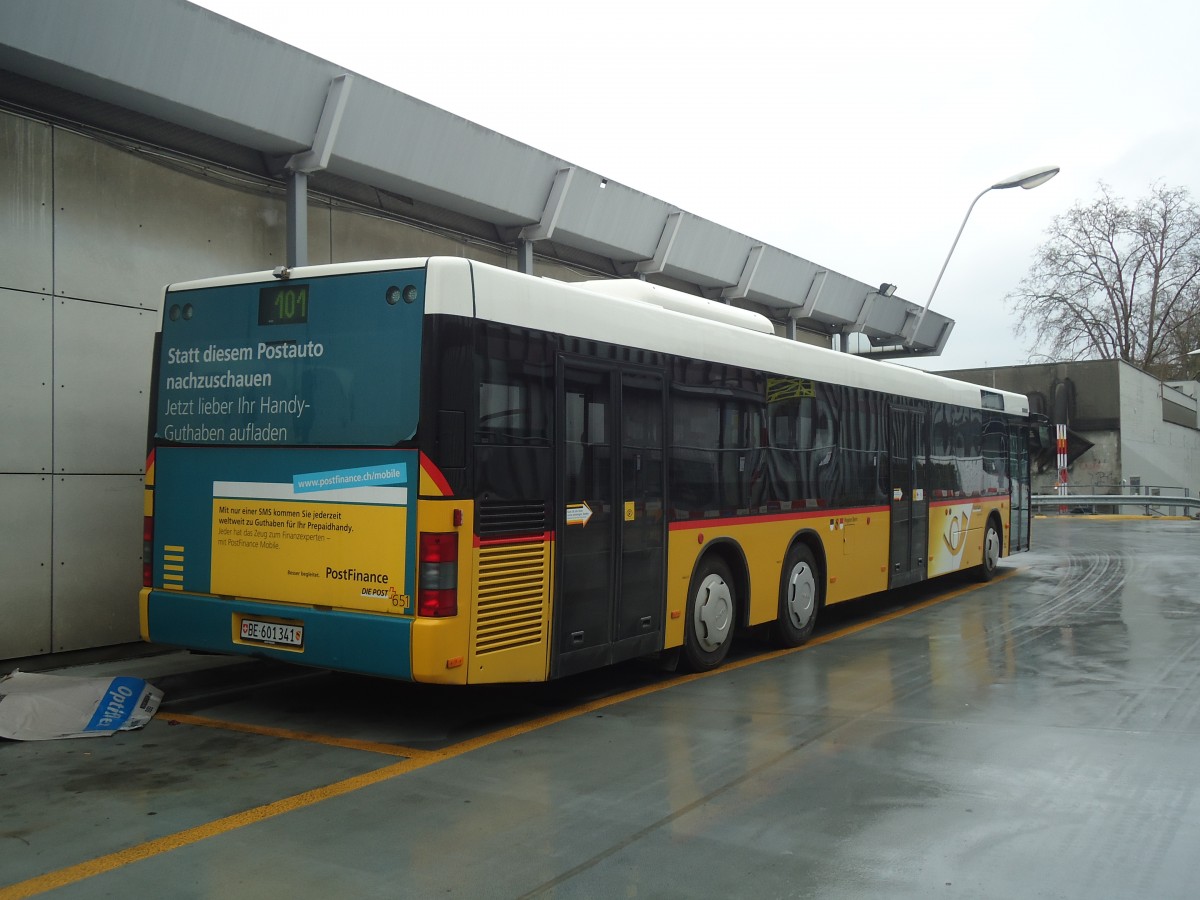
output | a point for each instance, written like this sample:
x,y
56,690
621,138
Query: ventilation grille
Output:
x,y
503,518
511,596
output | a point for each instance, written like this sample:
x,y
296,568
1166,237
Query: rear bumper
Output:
x,y
348,641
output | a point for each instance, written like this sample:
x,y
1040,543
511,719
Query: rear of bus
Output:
x,y
284,470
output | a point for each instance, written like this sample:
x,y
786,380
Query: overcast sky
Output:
x,y
854,134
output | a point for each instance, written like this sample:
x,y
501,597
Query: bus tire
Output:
x,y
991,551
799,598
711,614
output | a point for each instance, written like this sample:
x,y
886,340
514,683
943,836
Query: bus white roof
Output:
x,y
659,319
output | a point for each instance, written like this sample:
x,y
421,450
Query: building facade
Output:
x,y
144,142
1127,430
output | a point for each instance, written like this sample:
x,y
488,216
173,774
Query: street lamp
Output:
x,y
1029,179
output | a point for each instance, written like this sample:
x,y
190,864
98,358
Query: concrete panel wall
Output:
x,y
102,357
26,376
90,232
97,548
127,223
26,344
359,236
25,564
26,248
355,235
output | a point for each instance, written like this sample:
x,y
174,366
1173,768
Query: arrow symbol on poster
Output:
x,y
578,513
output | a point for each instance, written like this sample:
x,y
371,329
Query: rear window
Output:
x,y
332,361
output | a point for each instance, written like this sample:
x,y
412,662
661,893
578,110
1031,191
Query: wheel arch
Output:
x,y
995,519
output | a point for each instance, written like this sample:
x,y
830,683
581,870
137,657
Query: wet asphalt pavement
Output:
x,y
1035,737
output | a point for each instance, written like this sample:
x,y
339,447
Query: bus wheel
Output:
x,y
991,551
708,630
799,598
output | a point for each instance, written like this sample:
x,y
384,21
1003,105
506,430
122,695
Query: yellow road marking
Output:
x,y
288,734
107,863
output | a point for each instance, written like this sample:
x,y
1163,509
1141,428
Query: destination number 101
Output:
x,y
283,305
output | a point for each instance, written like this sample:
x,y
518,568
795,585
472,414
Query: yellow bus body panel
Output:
x,y
438,645
854,546
438,649
513,587
956,531
502,630
857,552
144,613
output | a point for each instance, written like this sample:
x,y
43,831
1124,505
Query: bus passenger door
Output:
x,y
1018,474
642,490
610,526
910,505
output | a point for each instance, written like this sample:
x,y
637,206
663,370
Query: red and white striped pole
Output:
x,y
1062,464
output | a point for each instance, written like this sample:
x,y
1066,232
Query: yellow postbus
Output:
x,y
438,470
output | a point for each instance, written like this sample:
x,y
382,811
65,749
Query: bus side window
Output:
x,y
516,387
995,452
695,429
803,445
968,447
862,447
735,444
944,478
502,411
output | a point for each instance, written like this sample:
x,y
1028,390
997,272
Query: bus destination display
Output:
x,y
283,304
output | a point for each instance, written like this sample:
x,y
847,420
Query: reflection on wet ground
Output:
x,y
1035,737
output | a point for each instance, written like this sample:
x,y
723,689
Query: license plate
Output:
x,y
272,633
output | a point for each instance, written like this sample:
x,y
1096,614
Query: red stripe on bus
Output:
x,y
693,524
436,476
544,537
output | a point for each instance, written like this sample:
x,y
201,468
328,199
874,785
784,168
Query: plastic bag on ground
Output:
x,y
36,707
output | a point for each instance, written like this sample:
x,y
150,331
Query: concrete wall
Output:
x,y
1157,451
1096,395
1140,427
1095,471
91,229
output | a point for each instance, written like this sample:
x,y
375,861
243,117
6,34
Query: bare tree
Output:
x,y
1117,282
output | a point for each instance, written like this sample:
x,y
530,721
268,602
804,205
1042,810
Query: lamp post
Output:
x,y
1029,179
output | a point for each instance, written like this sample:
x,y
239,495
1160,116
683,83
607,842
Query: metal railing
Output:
x,y
1147,500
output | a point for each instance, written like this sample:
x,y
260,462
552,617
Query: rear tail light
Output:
x,y
437,578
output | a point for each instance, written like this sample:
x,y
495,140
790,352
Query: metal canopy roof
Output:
x,y
195,76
